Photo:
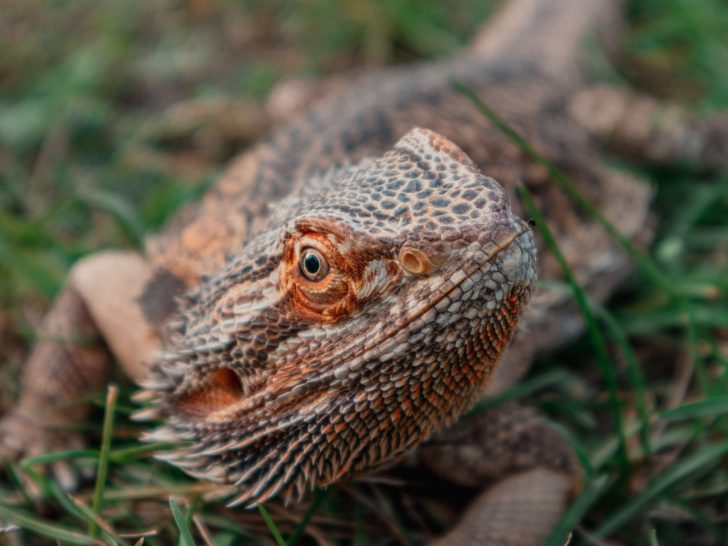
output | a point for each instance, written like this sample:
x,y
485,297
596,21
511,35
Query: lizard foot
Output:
x,y
21,437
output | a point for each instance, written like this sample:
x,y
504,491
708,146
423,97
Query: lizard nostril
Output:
x,y
217,390
415,261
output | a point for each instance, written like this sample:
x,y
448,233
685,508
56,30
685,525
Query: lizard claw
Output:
x,y
21,437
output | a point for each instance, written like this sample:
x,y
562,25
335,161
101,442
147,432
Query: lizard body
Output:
x,y
345,291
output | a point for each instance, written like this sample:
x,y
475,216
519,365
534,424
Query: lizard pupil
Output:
x,y
313,265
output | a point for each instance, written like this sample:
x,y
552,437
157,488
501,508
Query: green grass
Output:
x,y
103,467
102,139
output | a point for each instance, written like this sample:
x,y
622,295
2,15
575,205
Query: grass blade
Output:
x,y
636,377
521,390
77,509
55,456
120,210
298,533
702,460
595,335
573,515
103,469
185,535
277,536
42,527
359,532
716,405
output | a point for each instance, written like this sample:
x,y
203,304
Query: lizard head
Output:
x,y
368,313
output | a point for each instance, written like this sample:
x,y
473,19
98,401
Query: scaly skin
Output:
x,y
283,383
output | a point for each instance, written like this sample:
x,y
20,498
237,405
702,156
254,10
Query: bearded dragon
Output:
x,y
353,284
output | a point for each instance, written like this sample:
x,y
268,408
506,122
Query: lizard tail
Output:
x,y
548,34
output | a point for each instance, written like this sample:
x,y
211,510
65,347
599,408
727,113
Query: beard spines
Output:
x,y
264,467
259,462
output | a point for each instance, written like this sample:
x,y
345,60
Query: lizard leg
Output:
x,y
647,129
95,312
528,470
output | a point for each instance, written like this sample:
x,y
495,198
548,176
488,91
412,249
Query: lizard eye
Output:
x,y
313,265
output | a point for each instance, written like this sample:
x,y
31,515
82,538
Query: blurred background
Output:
x,y
113,114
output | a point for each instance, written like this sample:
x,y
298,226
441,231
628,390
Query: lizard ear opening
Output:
x,y
219,389
415,261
